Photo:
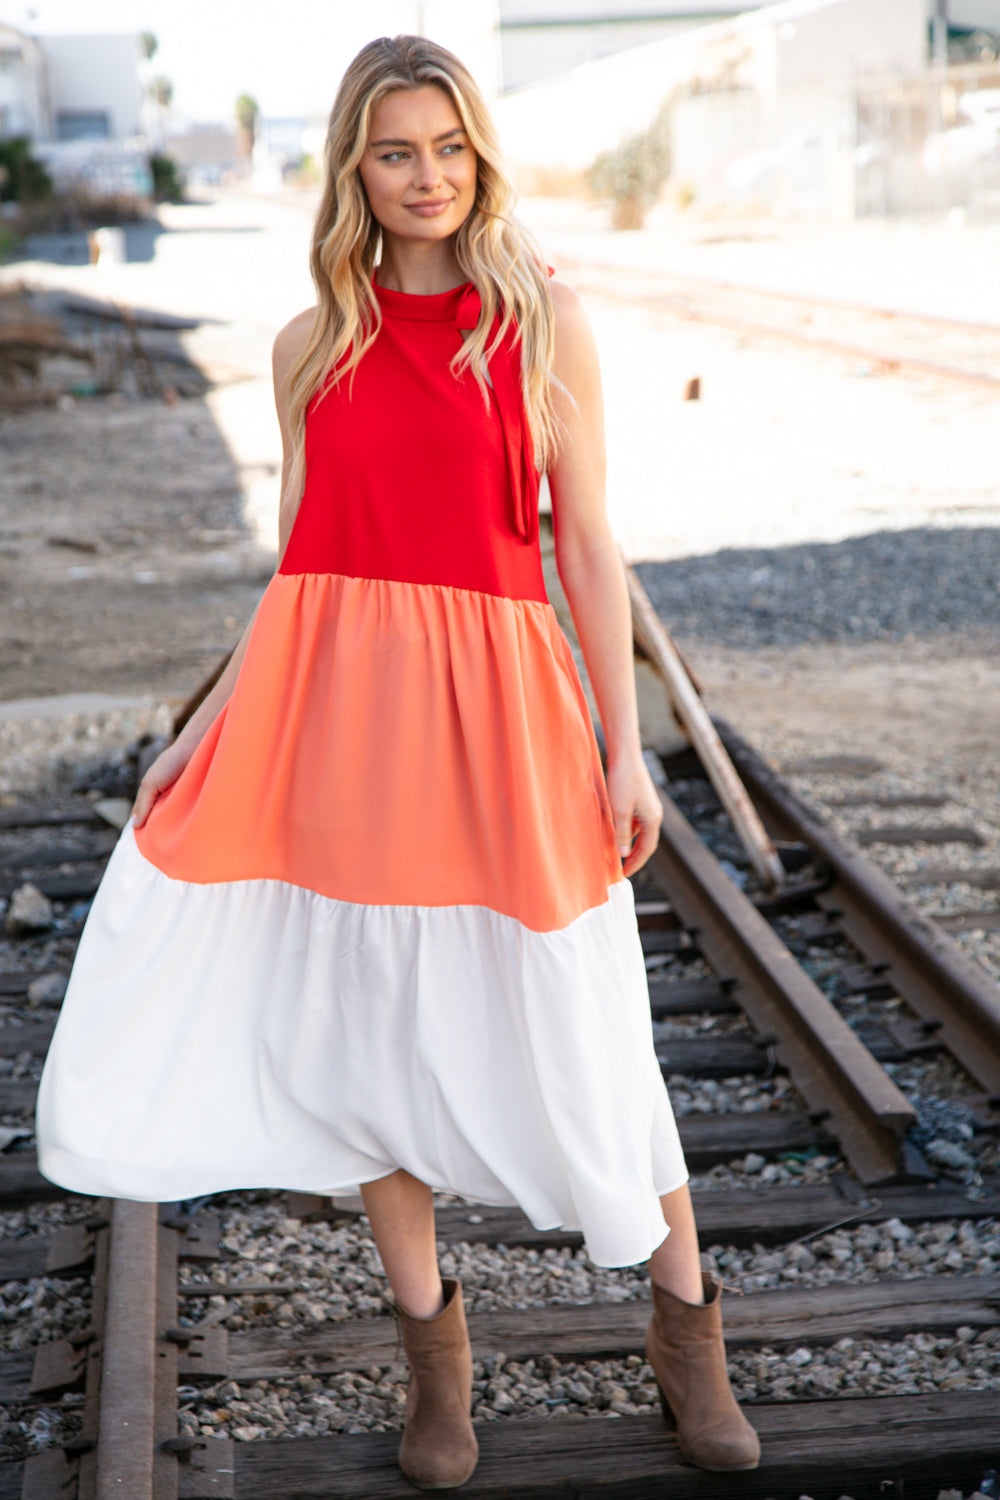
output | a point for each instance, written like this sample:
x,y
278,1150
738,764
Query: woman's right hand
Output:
x,y
162,773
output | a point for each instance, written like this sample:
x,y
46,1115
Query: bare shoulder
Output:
x,y
566,304
291,341
574,338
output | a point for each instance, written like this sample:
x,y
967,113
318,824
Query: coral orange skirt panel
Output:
x,y
383,741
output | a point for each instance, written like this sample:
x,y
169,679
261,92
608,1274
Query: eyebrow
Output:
x,y
458,130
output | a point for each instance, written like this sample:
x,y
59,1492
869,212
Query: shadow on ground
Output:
x,y
71,247
890,586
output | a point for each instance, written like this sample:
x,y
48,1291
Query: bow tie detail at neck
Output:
x,y
505,374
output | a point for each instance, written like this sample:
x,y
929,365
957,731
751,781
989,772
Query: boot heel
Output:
x,y
667,1410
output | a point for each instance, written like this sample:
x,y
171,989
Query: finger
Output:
x,y
643,847
624,834
145,797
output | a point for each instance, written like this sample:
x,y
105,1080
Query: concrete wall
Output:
x,y
780,49
97,76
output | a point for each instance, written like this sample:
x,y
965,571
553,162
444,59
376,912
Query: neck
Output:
x,y
421,270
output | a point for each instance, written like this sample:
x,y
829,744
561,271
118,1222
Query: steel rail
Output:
x,y
834,1071
678,307
958,1001
801,299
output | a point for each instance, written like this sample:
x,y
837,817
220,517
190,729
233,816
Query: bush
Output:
x,y
23,178
10,242
168,180
633,174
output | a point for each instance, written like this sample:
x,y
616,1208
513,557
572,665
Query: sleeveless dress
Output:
x,y
380,921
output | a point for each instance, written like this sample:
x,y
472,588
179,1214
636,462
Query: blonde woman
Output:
x,y
371,925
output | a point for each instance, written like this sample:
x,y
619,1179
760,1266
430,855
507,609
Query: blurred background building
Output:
x,y
830,108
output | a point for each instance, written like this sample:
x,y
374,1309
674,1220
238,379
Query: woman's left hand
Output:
x,y
636,809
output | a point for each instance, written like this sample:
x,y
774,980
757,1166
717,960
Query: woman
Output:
x,y
376,887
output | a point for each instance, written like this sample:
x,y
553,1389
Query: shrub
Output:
x,y
168,180
633,174
23,178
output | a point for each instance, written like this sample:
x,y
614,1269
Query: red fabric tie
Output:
x,y
518,445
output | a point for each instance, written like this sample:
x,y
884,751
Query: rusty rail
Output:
x,y
832,1069
652,636
958,1002
660,292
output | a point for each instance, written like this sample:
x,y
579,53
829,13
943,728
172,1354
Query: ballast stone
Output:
x,y
29,911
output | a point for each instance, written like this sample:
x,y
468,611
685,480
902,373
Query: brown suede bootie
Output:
x,y
439,1449
684,1345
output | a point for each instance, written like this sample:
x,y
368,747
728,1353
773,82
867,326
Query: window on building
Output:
x,y
83,125
10,59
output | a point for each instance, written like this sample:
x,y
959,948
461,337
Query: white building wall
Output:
x,y
23,92
567,121
841,42
98,76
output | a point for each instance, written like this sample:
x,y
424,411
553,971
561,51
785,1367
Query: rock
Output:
x,y
114,810
28,911
47,989
947,1154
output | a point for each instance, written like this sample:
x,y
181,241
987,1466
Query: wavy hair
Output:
x,y
494,252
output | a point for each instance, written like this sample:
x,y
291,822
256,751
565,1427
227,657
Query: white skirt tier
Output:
x,y
255,1034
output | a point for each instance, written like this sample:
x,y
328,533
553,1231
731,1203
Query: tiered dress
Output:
x,y
380,920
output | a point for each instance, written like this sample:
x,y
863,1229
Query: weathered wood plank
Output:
x,y
47,817
34,1037
17,1096
813,1316
23,1258
708,1139
685,997
712,1057
11,1481
15,1373
746,1216
21,1181
823,1448
78,886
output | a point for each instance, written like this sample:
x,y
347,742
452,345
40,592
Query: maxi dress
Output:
x,y
380,920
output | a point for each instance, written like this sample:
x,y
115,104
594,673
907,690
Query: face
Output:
x,y
419,168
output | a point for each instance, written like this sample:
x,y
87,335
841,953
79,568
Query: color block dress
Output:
x,y
380,921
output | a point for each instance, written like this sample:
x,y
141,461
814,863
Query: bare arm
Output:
x,y
167,767
591,572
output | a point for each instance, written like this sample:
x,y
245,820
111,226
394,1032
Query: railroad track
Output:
x,y
730,999
883,339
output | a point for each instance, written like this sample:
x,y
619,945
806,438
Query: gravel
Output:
x,y
892,586
338,1276
374,1401
48,752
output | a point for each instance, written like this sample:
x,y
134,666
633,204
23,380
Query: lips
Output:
x,y
430,208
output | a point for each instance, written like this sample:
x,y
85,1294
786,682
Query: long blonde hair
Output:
x,y
494,252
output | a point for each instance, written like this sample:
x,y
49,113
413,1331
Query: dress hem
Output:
x,y
66,1169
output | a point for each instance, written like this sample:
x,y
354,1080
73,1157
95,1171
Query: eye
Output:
x,y
393,156
454,147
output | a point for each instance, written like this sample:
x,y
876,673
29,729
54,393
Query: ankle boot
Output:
x,y
684,1345
439,1448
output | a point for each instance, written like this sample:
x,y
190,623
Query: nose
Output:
x,y
426,171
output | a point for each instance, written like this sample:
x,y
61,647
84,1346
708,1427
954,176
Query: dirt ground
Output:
x,y
136,536
125,565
